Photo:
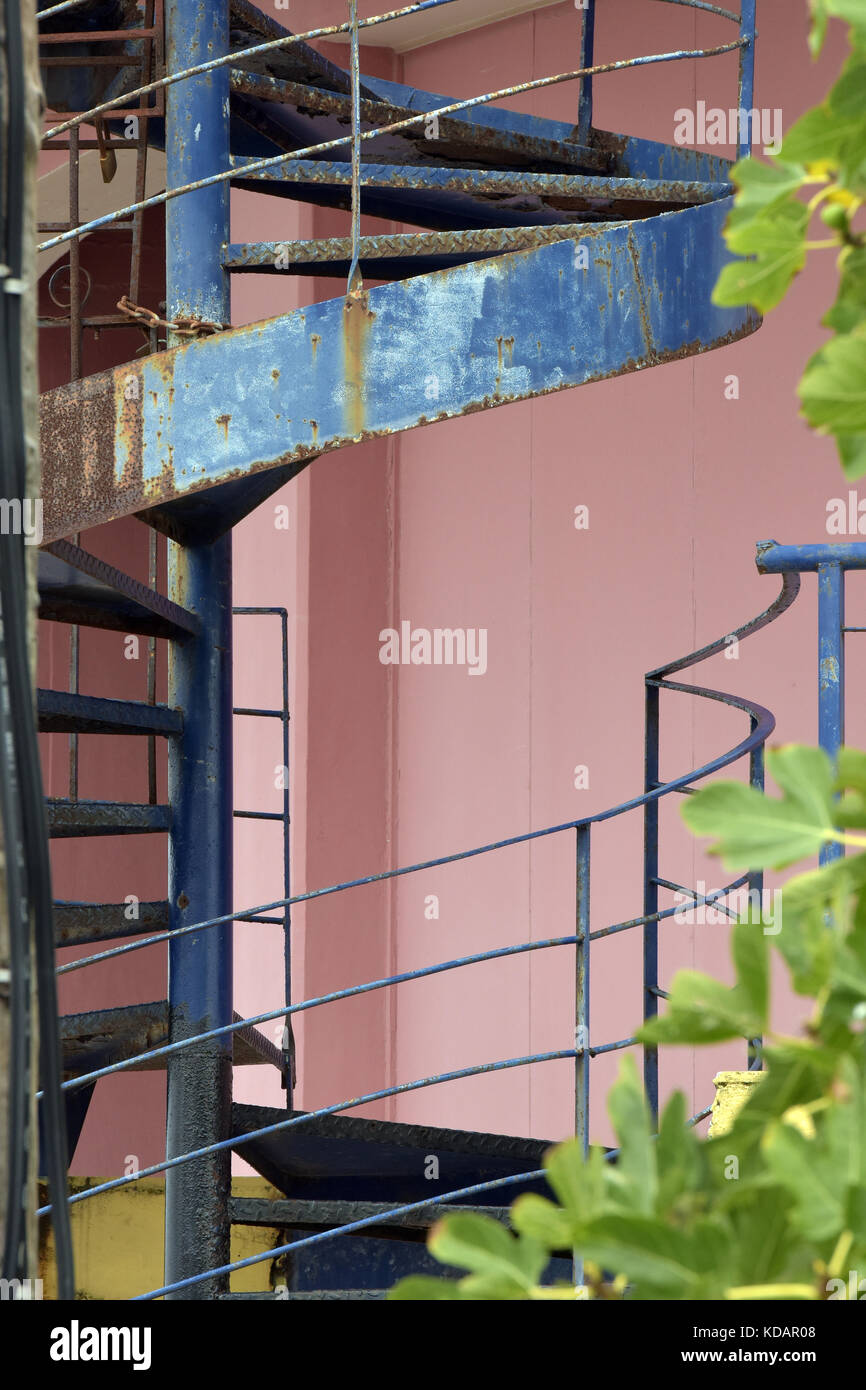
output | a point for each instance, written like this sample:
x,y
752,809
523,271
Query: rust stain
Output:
x,y
829,672
315,343
224,421
357,321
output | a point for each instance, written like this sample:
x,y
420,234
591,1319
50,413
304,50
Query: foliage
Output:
x,y
823,155
776,1207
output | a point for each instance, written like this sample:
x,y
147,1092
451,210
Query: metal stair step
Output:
x,y
102,1037
59,711
313,1215
70,819
345,1158
480,198
391,257
77,587
464,135
308,1296
83,924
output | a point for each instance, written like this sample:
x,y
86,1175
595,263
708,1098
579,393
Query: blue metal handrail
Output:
x,y
745,44
762,725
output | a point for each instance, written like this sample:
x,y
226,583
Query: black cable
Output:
x,y
14,600
15,1260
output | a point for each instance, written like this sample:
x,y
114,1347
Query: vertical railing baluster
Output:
x,y
581,1004
831,669
651,891
355,283
587,49
748,33
288,1045
756,881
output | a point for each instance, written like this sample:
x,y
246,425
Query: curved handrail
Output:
x,y
586,73
764,723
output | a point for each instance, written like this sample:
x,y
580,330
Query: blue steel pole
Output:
x,y
288,1037
831,669
581,1005
587,48
651,893
747,73
756,884
200,761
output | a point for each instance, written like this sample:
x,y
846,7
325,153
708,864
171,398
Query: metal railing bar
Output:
x,y
764,724
274,161
237,1141
272,44
304,1005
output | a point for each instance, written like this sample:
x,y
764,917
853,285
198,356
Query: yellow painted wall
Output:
x,y
118,1240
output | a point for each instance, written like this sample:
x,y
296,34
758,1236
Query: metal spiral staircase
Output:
x,y
553,255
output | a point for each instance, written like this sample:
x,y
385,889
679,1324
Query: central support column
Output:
x,y
200,684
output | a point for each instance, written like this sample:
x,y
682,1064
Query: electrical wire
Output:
x,y
22,742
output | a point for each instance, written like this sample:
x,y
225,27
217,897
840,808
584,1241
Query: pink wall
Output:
x,y
470,524
680,483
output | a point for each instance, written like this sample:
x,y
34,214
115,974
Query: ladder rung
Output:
x,y
62,712
73,818
82,924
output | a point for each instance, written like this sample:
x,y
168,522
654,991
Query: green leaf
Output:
x,y
849,310
833,387
776,240
701,1010
801,1165
850,770
760,185
818,30
636,1167
579,1186
421,1288
678,1158
543,1221
805,775
751,952
847,98
484,1246
852,12
756,831
817,138
764,1238
661,1261
485,1288
852,455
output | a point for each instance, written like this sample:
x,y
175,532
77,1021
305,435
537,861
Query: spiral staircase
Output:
x,y
543,255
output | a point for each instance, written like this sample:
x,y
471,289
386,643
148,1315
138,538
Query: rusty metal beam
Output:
x,y
617,299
